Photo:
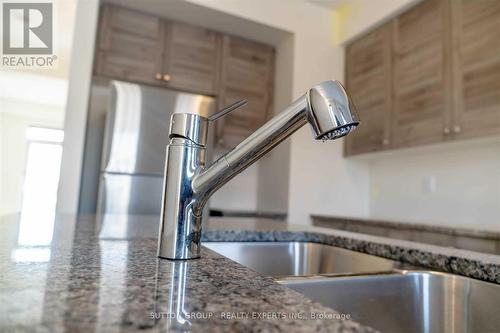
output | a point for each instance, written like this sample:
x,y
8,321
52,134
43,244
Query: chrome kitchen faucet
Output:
x,y
188,184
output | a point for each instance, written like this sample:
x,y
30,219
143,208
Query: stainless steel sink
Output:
x,y
300,258
413,301
376,292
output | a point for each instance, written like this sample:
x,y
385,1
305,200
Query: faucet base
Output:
x,y
172,259
180,226
177,244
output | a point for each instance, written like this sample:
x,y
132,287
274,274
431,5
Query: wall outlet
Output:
x,y
375,191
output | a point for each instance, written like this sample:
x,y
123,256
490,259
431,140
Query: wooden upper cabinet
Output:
x,y
421,75
138,47
369,86
476,68
191,60
247,73
444,70
130,45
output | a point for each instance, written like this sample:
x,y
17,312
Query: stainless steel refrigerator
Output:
x,y
136,135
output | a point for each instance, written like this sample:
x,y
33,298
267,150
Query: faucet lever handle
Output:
x,y
228,109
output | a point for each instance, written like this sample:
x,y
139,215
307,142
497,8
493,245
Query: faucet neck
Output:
x,y
280,127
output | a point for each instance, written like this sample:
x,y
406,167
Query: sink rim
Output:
x,y
335,252
284,280
403,268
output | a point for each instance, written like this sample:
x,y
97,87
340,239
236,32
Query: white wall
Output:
x,y
447,185
274,168
354,17
240,194
79,79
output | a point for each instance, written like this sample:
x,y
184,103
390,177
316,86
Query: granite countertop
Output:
x,y
101,274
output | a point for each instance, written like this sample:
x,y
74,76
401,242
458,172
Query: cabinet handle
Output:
x,y
158,76
385,142
166,77
446,131
457,129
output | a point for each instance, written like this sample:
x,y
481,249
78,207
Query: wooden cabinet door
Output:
x,y
368,76
476,66
192,58
247,73
130,45
421,81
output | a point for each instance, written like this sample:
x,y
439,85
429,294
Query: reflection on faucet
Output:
x,y
175,316
177,295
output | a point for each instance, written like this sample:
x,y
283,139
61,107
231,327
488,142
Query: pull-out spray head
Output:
x,y
329,111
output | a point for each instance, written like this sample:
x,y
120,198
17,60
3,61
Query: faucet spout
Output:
x,y
189,184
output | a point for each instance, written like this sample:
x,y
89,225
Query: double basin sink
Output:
x,y
381,293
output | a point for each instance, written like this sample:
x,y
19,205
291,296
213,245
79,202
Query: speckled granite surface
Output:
x,y
74,281
103,276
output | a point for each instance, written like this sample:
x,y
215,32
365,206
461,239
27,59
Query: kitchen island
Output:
x,y
101,274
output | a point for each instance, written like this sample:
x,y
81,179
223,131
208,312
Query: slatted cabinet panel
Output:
x,y
138,47
130,45
445,76
369,85
421,75
247,73
192,58
476,60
